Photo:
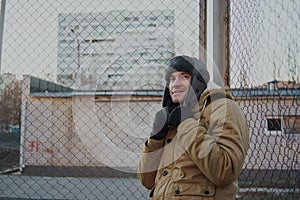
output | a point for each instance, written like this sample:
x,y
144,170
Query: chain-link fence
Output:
x,y
81,81
264,70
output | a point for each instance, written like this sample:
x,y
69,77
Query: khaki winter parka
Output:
x,y
203,157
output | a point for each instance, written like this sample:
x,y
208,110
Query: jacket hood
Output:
x,y
210,95
214,94
188,64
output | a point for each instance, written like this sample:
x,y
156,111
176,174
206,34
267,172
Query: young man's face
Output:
x,y
179,83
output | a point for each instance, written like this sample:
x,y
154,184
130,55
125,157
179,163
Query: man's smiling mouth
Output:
x,y
177,91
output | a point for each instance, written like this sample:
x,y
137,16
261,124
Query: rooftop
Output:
x,y
43,88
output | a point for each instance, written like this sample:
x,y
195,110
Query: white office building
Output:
x,y
114,50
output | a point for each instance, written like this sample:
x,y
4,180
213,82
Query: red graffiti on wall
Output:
x,y
49,151
35,145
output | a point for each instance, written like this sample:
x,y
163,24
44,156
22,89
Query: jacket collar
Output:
x,y
210,95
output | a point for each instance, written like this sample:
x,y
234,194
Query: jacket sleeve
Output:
x,y
220,149
149,162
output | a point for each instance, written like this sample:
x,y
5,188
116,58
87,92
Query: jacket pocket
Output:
x,y
193,189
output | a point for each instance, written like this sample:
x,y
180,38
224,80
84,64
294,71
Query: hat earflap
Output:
x,y
167,100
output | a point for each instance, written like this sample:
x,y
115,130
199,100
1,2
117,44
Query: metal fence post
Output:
x,y
3,3
202,30
218,41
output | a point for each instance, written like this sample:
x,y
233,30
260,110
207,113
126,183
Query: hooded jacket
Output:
x,y
203,157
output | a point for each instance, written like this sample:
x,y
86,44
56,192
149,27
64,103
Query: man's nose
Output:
x,y
177,81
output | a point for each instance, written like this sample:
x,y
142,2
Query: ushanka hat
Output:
x,y
191,65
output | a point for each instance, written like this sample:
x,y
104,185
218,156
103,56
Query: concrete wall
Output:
x,y
84,130
92,129
276,149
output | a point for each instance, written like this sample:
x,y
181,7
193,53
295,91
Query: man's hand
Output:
x,y
160,125
179,114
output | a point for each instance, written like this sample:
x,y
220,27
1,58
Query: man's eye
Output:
x,y
185,77
172,79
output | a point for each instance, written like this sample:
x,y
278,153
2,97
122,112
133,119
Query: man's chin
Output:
x,y
176,100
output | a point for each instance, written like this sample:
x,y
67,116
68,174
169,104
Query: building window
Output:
x,y
274,125
151,25
128,19
287,124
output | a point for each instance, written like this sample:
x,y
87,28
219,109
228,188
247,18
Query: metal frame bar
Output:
x,y
2,15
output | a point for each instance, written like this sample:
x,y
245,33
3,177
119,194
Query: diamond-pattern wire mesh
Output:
x,y
87,104
92,75
264,65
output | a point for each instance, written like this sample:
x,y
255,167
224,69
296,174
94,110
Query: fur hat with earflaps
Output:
x,y
195,68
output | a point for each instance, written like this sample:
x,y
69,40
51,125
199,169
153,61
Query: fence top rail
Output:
x,y
43,88
98,93
236,92
257,92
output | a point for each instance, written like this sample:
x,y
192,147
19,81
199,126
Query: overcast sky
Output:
x,y
30,35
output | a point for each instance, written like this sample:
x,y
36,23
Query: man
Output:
x,y
199,139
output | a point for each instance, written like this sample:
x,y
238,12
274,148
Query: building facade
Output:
x,y
101,50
